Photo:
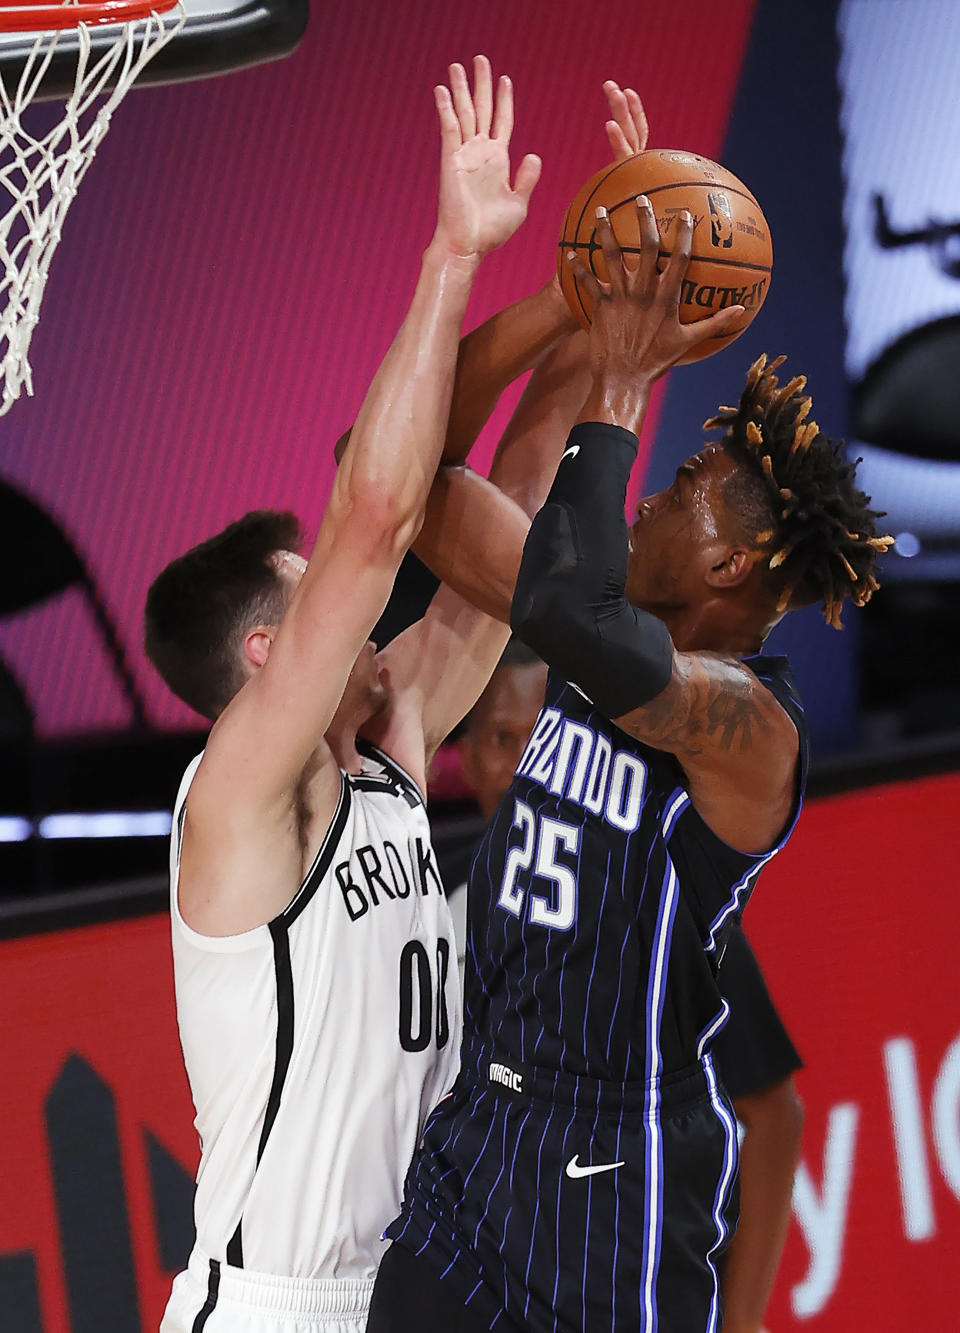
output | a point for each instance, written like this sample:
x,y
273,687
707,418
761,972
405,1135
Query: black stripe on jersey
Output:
x,y
210,1304
281,1059
371,751
235,1247
284,974
322,862
181,816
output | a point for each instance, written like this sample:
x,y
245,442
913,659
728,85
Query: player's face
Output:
x,y
499,728
680,533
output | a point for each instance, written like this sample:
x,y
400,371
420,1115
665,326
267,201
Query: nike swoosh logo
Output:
x,y
575,1171
571,452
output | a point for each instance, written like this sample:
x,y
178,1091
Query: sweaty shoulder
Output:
x,y
734,727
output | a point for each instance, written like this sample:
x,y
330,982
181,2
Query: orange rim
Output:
x,y
43,18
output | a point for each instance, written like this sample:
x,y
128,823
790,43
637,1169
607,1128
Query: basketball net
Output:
x,y
40,176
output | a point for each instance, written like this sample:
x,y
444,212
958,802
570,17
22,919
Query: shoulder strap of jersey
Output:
x,y
399,776
179,810
777,675
323,858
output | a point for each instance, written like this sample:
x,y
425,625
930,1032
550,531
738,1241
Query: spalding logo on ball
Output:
x,y
731,255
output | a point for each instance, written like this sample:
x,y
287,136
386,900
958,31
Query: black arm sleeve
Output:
x,y
569,604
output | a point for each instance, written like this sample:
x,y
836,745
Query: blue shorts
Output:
x,y
557,1204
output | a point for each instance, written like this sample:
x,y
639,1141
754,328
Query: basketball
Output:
x,y
731,256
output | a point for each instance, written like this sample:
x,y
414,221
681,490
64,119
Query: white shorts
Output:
x,y
206,1299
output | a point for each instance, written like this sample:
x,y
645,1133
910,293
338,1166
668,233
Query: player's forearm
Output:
x,y
768,1158
526,459
472,538
618,395
496,353
570,605
396,441
473,531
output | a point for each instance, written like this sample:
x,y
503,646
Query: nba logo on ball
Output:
x,y
731,252
721,221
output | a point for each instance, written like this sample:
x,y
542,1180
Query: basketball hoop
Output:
x,y
40,176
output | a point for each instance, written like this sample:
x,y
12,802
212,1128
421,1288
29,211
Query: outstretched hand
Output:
x,y
636,333
478,209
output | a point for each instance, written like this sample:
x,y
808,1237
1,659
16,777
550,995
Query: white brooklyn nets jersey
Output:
x,y
316,1045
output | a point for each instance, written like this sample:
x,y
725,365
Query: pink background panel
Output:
x,y
241,254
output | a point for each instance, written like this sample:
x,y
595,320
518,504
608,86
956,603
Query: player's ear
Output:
x,y
257,643
733,568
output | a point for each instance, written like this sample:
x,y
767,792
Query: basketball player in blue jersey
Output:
x,y
582,1175
753,1053
317,1006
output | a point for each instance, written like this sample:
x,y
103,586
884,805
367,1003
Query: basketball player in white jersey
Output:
x,y
313,951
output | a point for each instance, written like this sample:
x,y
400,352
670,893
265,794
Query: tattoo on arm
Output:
x,y
711,703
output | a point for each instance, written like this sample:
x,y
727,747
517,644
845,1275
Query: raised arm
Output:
x,y
515,339
261,743
725,727
474,529
439,666
471,538
496,353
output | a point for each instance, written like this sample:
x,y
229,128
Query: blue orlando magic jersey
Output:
x,y
599,902
582,1173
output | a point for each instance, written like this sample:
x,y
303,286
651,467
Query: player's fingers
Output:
x,y
611,251
503,111
587,280
483,93
714,326
618,144
678,261
624,142
450,135
462,101
528,173
638,119
645,277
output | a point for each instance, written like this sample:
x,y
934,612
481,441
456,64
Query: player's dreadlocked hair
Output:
x,y
813,520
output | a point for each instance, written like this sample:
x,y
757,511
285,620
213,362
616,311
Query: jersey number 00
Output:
x,y
417,992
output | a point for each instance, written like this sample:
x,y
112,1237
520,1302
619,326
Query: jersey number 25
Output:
x,y
549,837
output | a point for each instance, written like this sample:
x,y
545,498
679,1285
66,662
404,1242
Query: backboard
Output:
x,y
217,37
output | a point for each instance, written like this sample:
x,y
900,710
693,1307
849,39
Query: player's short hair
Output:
x,y
203,603
797,496
516,654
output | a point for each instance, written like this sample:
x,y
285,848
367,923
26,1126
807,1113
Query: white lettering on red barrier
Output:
x,y
906,1112
822,1216
945,1108
822,1213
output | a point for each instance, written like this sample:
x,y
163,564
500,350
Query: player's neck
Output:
x,y
703,630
